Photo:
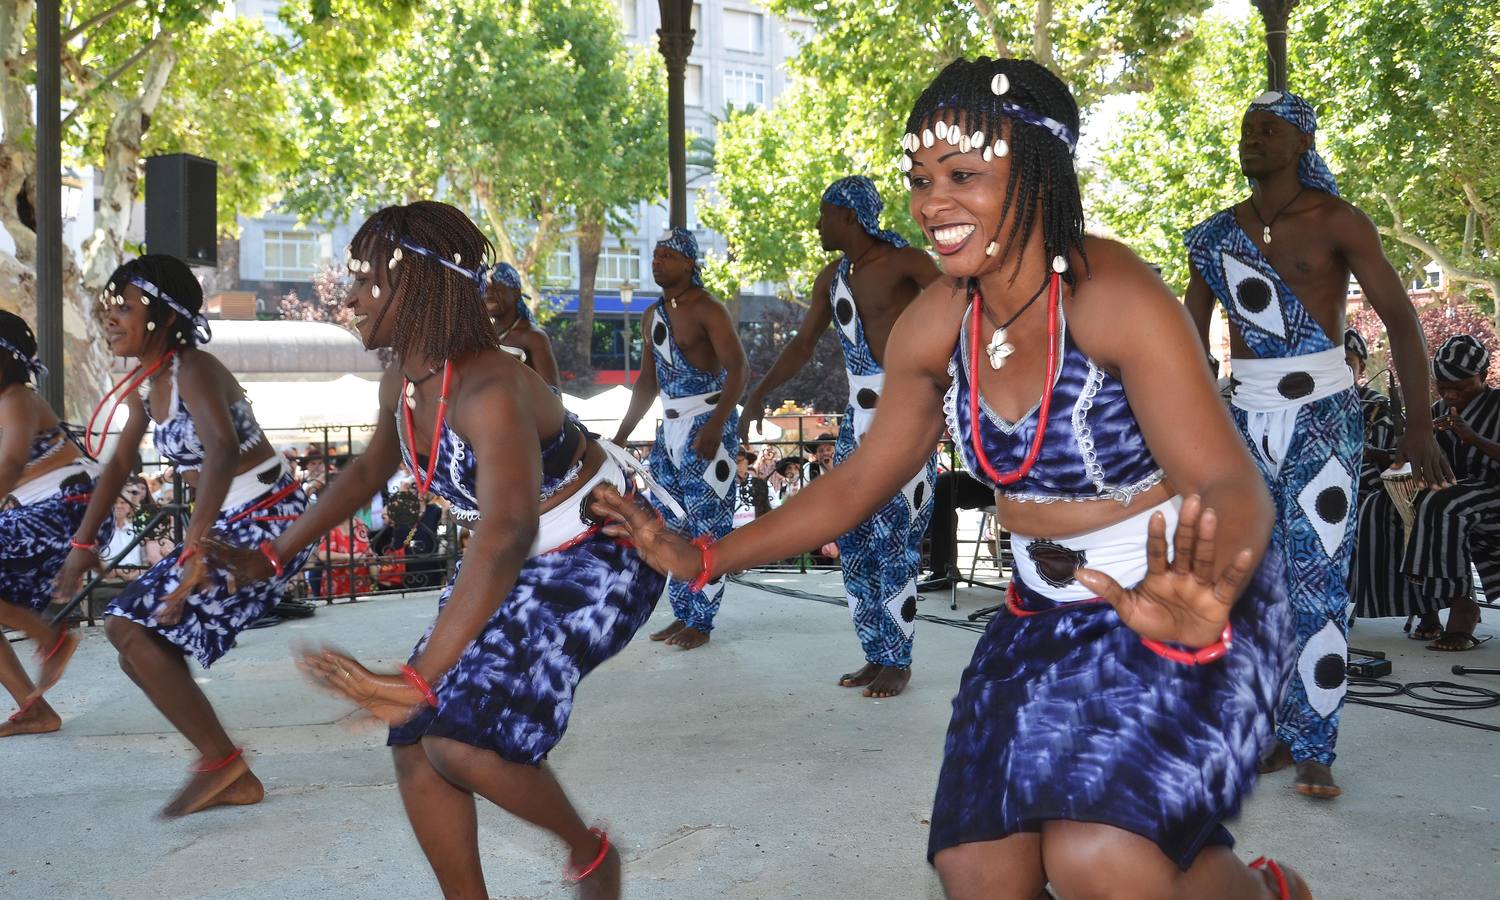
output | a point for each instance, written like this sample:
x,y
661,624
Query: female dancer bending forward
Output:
x,y
243,494
1082,752
540,598
46,479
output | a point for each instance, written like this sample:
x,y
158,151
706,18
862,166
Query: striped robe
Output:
x,y
1454,527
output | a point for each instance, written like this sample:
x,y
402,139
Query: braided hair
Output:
x,y
15,332
1043,180
173,278
442,314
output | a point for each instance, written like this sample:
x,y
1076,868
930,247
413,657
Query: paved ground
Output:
x,y
735,771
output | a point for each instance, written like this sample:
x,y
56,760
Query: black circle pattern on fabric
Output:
x,y
659,334
1329,672
1332,505
721,471
671,414
866,398
1054,562
909,609
844,310
1295,385
712,399
1254,295
918,495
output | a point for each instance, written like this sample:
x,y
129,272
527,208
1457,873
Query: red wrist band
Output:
x,y
80,545
415,679
1199,657
705,545
268,550
187,553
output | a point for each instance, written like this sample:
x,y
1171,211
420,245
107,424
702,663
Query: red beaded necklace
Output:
x,y
130,383
1008,478
408,402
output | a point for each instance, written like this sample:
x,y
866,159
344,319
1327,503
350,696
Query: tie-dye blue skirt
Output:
x,y
1066,715
512,689
212,619
36,540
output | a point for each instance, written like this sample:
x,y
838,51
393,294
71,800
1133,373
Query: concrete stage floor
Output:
x,y
736,771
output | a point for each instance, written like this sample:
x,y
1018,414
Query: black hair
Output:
x,y
1043,179
442,314
15,331
173,278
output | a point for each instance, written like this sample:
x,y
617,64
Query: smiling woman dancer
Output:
x,y
49,478
243,494
540,597
1088,748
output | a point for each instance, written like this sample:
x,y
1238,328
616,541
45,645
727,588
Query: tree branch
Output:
x,y
987,13
1041,40
1399,232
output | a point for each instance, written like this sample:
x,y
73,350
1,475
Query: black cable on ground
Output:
x,y
963,624
1444,695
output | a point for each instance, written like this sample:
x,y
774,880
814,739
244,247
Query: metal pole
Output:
x,y
1275,13
676,41
627,345
49,248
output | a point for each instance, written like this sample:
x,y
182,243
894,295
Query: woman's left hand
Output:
x,y
386,697
1180,602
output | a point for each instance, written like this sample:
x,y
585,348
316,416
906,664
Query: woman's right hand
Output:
x,y
664,550
70,577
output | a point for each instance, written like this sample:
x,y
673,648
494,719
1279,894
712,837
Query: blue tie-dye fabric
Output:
x,y
682,241
858,193
37,538
1312,171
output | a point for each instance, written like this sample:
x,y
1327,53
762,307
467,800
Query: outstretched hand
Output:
x,y
386,697
664,550
1180,602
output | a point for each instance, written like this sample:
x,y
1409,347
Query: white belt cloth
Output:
x,y
564,523
864,392
247,486
1272,391
678,414
48,483
1118,550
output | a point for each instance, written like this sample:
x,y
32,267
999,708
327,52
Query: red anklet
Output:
x,y
25,708
214,767
576,875
415,679
1262,862
705,545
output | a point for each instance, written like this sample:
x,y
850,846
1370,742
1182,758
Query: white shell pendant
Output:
x,y
998,349
411,395
1265,234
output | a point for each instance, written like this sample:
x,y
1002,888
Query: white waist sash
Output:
x,y
1118,550
678,414
1272,391
247,486
564,523
48,483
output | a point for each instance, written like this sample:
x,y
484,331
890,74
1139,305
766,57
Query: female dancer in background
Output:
x,y
1086,748
243,494
46,479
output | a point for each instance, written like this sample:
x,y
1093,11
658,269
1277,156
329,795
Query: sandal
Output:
x,y
1427,633
1456,642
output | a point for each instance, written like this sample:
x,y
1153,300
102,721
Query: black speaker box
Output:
x,y
182,208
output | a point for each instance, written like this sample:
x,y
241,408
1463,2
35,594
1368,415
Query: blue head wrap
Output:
x,y
1312,171
506,274
682,241
857,193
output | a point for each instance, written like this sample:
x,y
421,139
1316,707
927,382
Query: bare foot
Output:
x,y
687,638
862,677
604,882
669,630
233,785
1316,780
890,682
1279,758
34,717
55,660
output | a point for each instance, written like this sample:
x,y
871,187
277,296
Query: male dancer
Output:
x,y
1280,263
881,557
695,359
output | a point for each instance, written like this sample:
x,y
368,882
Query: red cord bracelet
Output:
x,y
80,545
187,553
577,875
214,767
415,679
705,545
268,550
1200,657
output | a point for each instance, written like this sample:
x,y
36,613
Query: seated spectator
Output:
x,y
397,541
124,534
952,492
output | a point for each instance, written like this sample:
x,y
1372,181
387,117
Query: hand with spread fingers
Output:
x,y
1429,467
386,697
663,549
1181,601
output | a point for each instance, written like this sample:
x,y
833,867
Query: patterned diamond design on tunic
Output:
x,y
1326,503
1254,295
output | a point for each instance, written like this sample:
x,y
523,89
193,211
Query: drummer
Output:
x,y
1453,525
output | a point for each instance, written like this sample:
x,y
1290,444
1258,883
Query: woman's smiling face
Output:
x,y
957,196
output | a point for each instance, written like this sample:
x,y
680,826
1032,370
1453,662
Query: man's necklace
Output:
x,y
862,256
1265,232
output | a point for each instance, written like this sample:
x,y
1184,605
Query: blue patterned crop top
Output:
x,y
1093,448
454,475
176,439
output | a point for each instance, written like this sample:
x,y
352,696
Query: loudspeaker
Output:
x,y
182,207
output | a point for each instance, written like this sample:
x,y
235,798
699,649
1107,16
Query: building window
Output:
x,y
742,88
692,86
744,31
695,18
627,17
800,33
616,264
560,268
291,255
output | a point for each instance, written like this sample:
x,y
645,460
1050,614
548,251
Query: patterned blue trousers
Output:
x,y
36,540
880,560
213,618
1315,487
697,485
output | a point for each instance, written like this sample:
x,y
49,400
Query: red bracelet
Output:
x,y
705,545
187,553
576,875
80,545
415,679
1201,657
268,550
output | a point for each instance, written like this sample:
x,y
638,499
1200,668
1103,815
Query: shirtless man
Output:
x,y
694,358
1280,263
881,557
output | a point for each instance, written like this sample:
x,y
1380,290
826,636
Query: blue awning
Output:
x,y
605,302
